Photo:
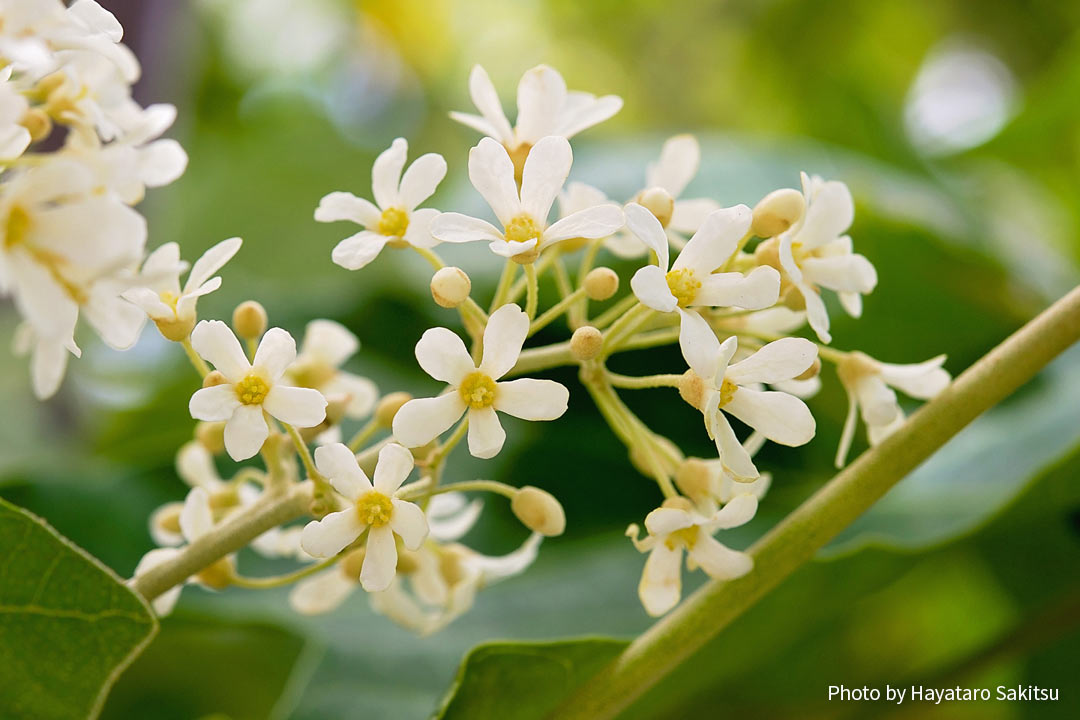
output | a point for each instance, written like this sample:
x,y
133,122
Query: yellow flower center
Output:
x,y
374,509
18,223
393,222
727,392
687,537
169,299
477,390
252,390
683,285
521,229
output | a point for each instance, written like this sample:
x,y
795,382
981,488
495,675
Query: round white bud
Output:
x,y
450,286
601,283
777,211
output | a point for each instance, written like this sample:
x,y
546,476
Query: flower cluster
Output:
x,y
742,284
70,242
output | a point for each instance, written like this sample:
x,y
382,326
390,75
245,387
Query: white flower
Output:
x,y
714,386
195,466
814,253
545,107
370,508
48,358
14,138
867,382
196,520
252,388
325,348
691,281
394,219
525,232
675,527
474,389
171,308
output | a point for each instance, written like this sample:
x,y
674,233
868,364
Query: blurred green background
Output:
x,y
955,125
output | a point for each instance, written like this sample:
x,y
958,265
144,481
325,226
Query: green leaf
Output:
x,y
68,625
522,681
979,471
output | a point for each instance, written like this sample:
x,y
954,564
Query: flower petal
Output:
x,y
541,96
737,511
734,455
442,355
211,261
492,174
394,465
276,351
356,251
661,580
699,344
215,342
594,222
420,180
487,102
816,314
677,166
346,206
329,341
583,110
213,404
418,234
503,337
321,592
651,288
386,173
829,213
454,227
486,434
920,380
779,360
546,169
329,536
663,520
756,291
409,523
196,518
718,561
530,399
299,407
245,432
688,215
380,560
782,418
420,421
337,462
844,273
716,240
649,230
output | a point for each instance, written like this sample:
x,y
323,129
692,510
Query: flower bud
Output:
x,y
539,511
352,563
211,435
450,286
37,123
659,202
388,407
777,211
601,283
812,371
585,343
214,377
176,330
218,575
694,479
249,320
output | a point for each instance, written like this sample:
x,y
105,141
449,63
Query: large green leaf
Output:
x,y
68,625
523,680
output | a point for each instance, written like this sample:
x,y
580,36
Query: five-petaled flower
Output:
x,y
676,527
524,215
712,386
252,388
370,507
394,218
325,348
474,389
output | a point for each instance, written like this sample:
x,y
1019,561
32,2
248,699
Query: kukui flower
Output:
x,y
195,466
394,219
252,388
816,254
869,384
716,388
676,527
545,107
709,485
325,348
171,308
524,215
474,390
196,520
369,507
691,281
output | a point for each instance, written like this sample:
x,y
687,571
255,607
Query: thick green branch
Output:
x,y
796,539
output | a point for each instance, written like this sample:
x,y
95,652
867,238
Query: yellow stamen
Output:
x,y
374,509
727,392
252,390
477,390
687,537
393,222
683,285
521,229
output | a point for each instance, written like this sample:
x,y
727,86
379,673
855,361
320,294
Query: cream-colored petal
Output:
x,y
321,593
718,561
300,407
531,399
420,180
345,206
699,344
540,99
196,517
380,560
649,230
214,404
337,462
329,341
409,523
782,418
716,240
486,434
732,452
757,290
661,581
594,222
651,288
663,520
211,261
457,228
217,344
386,173
393,467
503,337
545,171
487,102
492,174
329,536
420,421
356,251
276,351
245,432
677,166
779,360
443,356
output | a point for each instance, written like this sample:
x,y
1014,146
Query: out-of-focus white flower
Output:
x,y
394,218
252,388
709,485
869,385
676,527
325,348
195,466
48,358
712,385
196,520
545,107
524,215
816,254
691,282
171,308
474,389
14,137
370,507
